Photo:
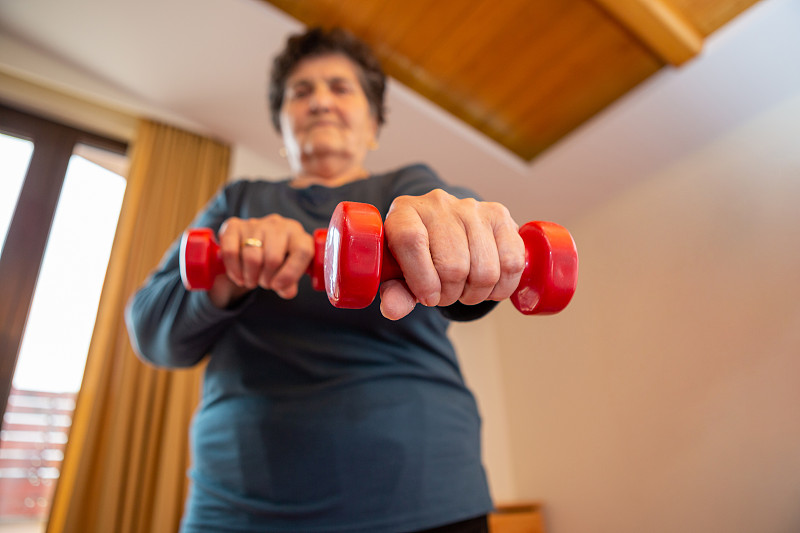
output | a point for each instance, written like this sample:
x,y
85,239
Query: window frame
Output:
x,y
28,232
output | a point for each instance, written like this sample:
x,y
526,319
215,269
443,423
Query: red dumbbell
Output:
x,y
357,262
351,261
201,261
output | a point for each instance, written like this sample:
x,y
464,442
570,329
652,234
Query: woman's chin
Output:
x,y
325,150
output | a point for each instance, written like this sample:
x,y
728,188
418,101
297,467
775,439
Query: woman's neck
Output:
x,y
327,175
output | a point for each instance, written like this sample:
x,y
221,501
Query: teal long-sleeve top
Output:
x,y
312,418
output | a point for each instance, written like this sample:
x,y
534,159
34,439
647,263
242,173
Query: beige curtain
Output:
x,y
124,469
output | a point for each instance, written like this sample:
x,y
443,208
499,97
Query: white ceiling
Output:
x,y
202,64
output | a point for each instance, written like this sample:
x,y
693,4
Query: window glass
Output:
x,y
61,320
15,154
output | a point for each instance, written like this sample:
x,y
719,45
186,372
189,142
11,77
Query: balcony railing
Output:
x,y
32,440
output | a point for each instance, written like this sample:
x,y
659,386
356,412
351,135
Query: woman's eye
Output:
x,y
341,89
299,92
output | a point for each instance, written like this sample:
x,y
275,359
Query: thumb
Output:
x,y
396,300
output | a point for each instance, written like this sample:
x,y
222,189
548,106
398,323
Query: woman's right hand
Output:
x,y
278,264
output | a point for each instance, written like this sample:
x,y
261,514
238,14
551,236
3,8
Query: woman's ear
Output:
x,y
374,145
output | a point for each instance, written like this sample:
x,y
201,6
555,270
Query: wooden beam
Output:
x,y
659,26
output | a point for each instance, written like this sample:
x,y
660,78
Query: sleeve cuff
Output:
x,y
207,312
459,312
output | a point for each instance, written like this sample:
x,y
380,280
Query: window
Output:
x,y
60,199
15,154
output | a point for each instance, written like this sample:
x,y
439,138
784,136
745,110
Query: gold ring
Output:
x,y
255,243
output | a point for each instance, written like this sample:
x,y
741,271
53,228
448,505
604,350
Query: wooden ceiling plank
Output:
x,y
584,81
516,49
565,105
330,13
404,60
438,22
476,37
391,24
552,38
710,15
662,28
299,9
583,77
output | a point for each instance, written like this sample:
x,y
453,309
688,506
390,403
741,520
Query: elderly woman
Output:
x,y
317,419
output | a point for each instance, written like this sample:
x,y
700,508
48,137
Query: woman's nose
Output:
x,y
321,100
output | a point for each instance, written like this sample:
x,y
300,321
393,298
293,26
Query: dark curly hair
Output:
x,y
318,42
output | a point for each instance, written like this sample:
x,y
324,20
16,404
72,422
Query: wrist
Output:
x,y
225,293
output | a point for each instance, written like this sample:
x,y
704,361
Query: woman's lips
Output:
x,y
323,124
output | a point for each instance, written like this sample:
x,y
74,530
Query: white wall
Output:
x,y
665,397
247,164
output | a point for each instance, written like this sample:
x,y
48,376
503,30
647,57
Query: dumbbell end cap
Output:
x,y
197,253
551,269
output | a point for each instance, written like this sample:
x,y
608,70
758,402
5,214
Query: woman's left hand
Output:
x,y
450,250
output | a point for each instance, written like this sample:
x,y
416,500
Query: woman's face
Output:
x,y
325,114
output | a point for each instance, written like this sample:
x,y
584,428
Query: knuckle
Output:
x,y
484,278
512,264
512,261
229,255
453,271
470,204
293,226
272,259
402,201
229,224
305,254
499,215
497,209
438,194
410,239
441,198
402,207
271,221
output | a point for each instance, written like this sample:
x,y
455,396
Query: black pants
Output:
x,y
473,525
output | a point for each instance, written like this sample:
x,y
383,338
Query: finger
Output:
x,y
225,291
450,252
230,244
300,253
511,256
407,238
259,268
484,263
252,257
397,300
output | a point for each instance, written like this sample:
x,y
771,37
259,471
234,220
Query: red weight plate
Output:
x,y
199,259
316,270
353,252
551,269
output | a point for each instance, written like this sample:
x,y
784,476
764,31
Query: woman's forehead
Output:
x,y
324,67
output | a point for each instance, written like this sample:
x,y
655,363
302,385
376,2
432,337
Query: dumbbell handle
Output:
x,y
201,262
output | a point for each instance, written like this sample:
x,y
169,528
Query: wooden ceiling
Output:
x,y
523,72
